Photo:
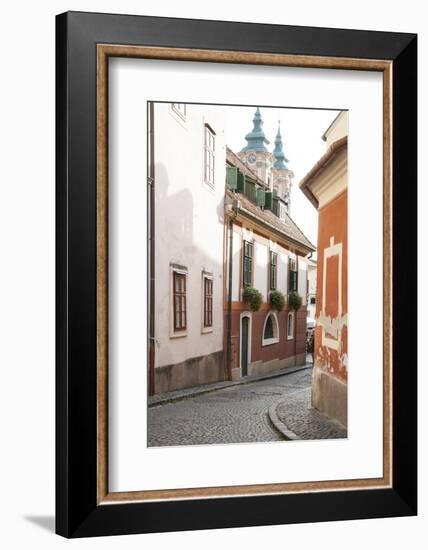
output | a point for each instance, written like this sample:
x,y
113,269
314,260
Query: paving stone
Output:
x,y
237,414
305,422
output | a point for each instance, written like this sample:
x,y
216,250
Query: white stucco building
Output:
x,y
189,187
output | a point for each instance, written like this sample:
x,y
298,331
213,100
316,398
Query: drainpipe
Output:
x,y
295,315
151,248
231,211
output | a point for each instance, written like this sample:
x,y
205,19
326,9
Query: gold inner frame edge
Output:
x,y
104,51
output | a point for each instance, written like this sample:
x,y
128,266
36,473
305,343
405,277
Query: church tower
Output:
x,y
281,175
255,155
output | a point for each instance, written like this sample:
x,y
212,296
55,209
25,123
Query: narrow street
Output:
x,y
238,414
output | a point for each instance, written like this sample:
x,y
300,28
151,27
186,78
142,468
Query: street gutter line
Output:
x,y
221,386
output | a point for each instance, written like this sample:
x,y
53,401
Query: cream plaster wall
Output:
x,y
261,260
338,129
282,279
302,279
333,180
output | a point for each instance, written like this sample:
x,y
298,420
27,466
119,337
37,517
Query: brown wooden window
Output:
x,y
180,308
209,155
273,270
208,302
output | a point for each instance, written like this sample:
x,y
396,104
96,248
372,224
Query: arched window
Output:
x,y
270,330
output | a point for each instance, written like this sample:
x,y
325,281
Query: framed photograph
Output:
x,y
236,246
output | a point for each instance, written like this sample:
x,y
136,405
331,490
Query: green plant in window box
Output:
x,y
253,298
294,300
277,300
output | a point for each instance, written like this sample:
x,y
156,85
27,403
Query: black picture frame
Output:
x,y
77,511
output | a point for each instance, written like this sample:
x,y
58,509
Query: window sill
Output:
x,y
207,330
270,341
290,337
209,187
180,334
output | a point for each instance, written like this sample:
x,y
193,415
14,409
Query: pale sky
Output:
x,y
301,131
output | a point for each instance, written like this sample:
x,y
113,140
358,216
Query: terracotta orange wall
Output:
x,y
333,222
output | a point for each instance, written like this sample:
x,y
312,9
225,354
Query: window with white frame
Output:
x,y
180,109
247,261
270,330
290,325
292,272
273,270
209,156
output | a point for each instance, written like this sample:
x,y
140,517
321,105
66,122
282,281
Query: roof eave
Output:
x,y
286,237
306,183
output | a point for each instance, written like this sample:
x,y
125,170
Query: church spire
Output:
x,y
280,158
256,139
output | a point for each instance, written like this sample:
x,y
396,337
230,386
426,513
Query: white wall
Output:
x,y
27,299
302,279
338,130
261,261
282,279
189,220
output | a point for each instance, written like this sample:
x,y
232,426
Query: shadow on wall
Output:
x,y
178,224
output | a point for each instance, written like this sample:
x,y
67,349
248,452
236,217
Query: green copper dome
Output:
x,y
280,158
256,139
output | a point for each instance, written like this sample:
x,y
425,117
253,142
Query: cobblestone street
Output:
x,y
238,414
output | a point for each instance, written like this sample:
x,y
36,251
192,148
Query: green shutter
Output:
x,y
260,196
241,182
250,191
231,178
268,200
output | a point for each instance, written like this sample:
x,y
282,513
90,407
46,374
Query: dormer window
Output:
x,y
282,211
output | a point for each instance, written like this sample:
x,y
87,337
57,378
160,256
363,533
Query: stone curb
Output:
x,y
164,399
279,425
